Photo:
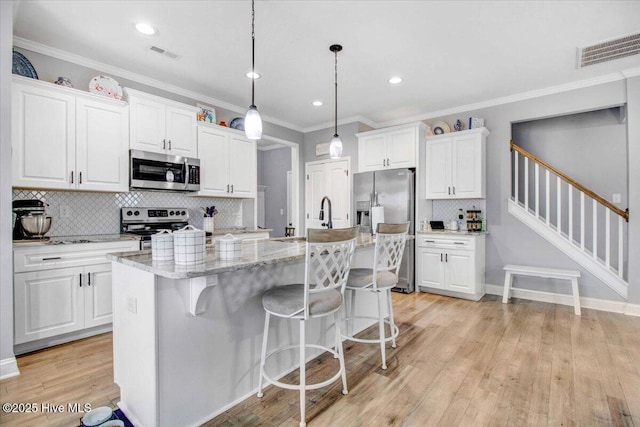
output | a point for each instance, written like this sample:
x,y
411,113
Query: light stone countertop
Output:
x,y
454,233
90,238
254,253
223,231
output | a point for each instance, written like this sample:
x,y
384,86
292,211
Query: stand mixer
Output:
x,y
31,221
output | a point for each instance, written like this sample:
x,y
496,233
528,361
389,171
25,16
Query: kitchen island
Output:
x,y
187,339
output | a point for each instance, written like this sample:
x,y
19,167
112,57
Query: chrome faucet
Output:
x,y
327,224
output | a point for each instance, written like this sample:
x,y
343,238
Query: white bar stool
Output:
x,y
390,243
327,262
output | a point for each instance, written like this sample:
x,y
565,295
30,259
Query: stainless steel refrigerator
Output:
x,y
393,189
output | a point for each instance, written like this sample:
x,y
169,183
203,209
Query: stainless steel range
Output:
x,y
144,222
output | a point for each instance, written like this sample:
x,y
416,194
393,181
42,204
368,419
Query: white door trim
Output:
x,y
327,161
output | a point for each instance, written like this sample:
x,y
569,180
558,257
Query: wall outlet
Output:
x,y
617,198
281,211
132,305
65,211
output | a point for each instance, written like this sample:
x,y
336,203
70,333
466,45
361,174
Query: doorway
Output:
x,y
329,178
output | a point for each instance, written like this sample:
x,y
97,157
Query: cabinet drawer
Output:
x,y
36,258
449,242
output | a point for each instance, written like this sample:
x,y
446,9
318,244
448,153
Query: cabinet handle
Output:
x,y
228,188
388,161
429,241
458,243
232,188
169,145
449,190
50,258
454,190
80,279
89,279
80,178
440,257
72,177
383,162
446,257
164,144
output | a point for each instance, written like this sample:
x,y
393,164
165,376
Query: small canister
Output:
x,y
189,246
162,246
229,247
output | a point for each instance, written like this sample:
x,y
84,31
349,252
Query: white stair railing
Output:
x,y
588,230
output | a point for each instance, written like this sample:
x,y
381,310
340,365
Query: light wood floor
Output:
x,y
457,363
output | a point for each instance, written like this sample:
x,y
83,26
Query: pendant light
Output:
x,y
335,147
252,120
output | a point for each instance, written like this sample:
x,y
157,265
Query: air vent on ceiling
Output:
x,y
609,50
163,52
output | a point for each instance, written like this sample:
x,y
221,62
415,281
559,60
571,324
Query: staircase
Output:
x,y
579,222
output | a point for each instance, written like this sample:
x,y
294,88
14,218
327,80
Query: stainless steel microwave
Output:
x,y
154,171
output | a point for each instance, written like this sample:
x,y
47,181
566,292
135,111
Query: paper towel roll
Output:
x,y
377,216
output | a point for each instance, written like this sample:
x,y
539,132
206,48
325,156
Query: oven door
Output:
x,y
163,172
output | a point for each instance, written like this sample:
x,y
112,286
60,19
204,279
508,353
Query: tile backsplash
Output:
x,y
99,213
446,210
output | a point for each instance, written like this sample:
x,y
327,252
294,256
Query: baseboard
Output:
x,y
567,299
9,368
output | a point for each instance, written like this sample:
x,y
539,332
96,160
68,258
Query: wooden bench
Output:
x,y
547,273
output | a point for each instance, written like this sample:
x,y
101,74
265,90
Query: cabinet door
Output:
x,y
460,271
243,167
43,137
337,175
102,146
401,149
315,190
372,153
467,167
181,132
438,165
98,304
213,147
147,125
430,268
47,303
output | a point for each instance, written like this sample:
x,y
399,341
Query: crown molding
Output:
x,y
138,78
565,87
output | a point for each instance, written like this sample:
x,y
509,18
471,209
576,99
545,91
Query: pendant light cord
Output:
x,y
335,116
253,52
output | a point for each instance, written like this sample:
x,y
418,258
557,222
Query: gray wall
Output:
x,y
510,241
49,69
633,135
6,257
272,173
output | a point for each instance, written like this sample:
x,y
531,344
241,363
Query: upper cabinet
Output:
x,y
455,165
228,162
67,139
162,126
390,148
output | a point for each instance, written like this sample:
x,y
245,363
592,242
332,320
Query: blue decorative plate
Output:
x,y
237,123
22,66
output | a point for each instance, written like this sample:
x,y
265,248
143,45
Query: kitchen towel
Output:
x,y
377,216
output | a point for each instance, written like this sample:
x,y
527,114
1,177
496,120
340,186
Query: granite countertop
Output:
x,y
254,253
223,231
454,233
66,240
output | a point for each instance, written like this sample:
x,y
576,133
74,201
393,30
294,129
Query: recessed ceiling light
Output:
x,y
317,103
395,80
252,75
146,29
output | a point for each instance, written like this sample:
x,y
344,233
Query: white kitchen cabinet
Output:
x,y
451,264
455,165
67,139
228,163
390,148
162,126
328,178
63,288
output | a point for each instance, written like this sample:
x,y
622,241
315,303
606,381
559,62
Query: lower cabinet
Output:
x,y
58,291
453,265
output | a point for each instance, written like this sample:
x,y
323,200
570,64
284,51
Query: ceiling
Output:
x,y
449,53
